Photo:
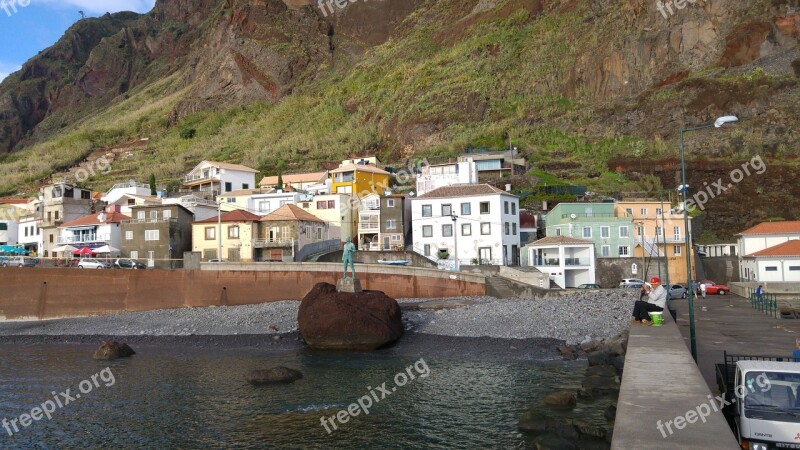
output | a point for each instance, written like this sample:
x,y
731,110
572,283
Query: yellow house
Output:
x,y
359,179
238,230
659,231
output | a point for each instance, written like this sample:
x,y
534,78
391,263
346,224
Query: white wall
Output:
x,y
783,270
9,236
428,180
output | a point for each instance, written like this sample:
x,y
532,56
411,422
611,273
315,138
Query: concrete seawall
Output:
x,y
661,382
53,293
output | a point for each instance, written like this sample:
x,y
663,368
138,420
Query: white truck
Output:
x,y
762,400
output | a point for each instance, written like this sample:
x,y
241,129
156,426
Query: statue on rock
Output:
x,y
347,258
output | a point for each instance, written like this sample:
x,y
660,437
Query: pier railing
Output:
x,y
766,303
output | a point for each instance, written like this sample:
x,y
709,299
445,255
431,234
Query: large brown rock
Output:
x,y
348,321
274,375
113,350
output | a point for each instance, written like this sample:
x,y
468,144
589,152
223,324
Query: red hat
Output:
x,y
655,280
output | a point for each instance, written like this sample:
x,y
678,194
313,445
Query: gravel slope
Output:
x,y
573,317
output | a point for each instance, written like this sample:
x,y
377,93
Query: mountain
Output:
x,y
592,93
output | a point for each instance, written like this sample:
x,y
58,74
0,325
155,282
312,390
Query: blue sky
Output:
x,y
39,24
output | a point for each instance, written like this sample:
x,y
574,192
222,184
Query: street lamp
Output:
x,y
455,241
684,188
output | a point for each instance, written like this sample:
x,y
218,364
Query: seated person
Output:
x,y
656,301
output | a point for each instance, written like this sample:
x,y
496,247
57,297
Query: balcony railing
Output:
x,y
211,176
368,226
84,239
135,221
273,243
660,240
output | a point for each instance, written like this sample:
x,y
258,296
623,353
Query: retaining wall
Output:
x,y
54,293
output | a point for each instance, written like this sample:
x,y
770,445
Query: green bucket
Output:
x,y
657,318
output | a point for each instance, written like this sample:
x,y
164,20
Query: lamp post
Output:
x,y
455,242
684,188
219,232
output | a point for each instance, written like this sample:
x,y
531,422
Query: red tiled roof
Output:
x,y
786,227
463,190
292,213
234,216
790,248
560,240
93,219
13,201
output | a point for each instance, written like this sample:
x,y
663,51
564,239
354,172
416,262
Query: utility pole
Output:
x,y
219,232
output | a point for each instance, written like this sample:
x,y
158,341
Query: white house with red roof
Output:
x,y
770,251
209,179
94,231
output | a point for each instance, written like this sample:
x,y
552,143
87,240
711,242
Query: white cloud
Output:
x,y
103,6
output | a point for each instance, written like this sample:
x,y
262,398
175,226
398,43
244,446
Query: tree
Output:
x,y
153,184
83,16
281,166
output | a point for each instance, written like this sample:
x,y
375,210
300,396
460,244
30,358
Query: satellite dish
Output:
x,y
573,216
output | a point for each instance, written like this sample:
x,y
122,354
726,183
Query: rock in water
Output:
x,y
113,350
561,399
348,321
274,375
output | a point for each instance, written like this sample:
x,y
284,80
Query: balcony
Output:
x,y
207,175
572,262
159,220
273,243
84,239
369,226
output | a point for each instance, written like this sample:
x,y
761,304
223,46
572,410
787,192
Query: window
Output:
x,y
676,231
486,228
228,186
514,229
167,214
466,229
794,268
26,229
558,231
390,203
150,235
589,212
605,251
265,207
211,233
605,232
505,207
513,209
331,204
322,204
624,250
638,231
643,211
426,249
771,269
233,232
466,209
134,254
129,235
427,210
245,186
231,200
677,250
507,228
658,231
427,231
153,215
51,238
659,211
391,224
484,207
623,232
629,211
447,230
447,210
587,232
344,190
86,195
57,215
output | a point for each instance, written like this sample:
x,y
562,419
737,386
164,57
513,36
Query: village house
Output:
x,y
209,179
285,234
158,233
770,251
234,231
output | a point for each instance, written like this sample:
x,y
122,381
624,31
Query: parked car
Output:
x,y
714,288
20,261
216,260
127,263
91,263
631,285
589,286
633,281
676,291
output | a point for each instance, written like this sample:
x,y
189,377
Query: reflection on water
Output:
x,y
179,398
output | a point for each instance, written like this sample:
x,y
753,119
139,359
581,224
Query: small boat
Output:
x,y
401,262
